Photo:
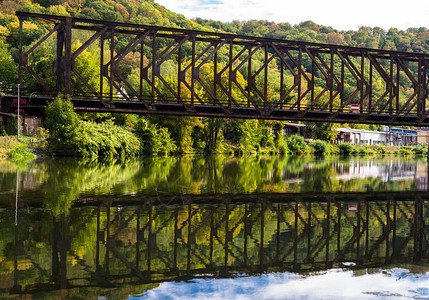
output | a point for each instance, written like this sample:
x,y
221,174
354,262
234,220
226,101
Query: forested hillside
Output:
x,y
187,134
413,39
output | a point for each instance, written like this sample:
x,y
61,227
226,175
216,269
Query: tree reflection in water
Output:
x,y
112,244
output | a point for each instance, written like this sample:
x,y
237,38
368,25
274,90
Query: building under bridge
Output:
x,y
387,136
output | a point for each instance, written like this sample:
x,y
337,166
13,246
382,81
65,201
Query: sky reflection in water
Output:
x,y
394,283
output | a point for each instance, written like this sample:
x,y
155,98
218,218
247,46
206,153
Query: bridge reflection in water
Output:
x,y
111,244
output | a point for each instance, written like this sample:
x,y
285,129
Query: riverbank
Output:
x,y
11,148
29,148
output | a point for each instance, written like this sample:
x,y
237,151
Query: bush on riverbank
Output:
x,y
154,140
73,137
319,147
296,144
347,149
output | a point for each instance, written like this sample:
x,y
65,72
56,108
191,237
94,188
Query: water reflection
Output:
x,y
82,229
91,249
57,183
333,284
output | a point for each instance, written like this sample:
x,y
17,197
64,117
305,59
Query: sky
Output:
x,y
340,15
331,284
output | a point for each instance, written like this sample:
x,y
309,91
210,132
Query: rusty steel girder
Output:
x,y
196,73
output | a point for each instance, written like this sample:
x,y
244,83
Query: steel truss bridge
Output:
x,y
196,73
151,240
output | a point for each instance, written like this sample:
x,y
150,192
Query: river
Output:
x,y
215,228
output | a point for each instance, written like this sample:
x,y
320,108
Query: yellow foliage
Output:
x,y
58,10
4,32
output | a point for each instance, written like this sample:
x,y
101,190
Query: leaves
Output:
x,y
74,137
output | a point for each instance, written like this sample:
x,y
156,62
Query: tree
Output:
x,y
8,74
322,131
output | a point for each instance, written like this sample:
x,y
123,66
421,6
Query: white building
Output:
x,y
363,136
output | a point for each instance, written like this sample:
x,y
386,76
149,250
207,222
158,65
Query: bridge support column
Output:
x,y
68,56
59,63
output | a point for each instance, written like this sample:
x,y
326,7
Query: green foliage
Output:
x,y
420,150
213,134
61,119
15,150
406,150
249,136
278,130
180,129
154,140
296,144
319,147
321,131
42,133
20,153
74,137
282,146
8,74
333,149
363,150
346,149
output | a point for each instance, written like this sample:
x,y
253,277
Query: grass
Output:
x,y
16,150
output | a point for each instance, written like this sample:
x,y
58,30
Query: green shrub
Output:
x,y
20,153
346,149
333,149
362,150
74,137
379,149
420,150
42,133
406,150
282,145
61,119
319,147
296,144
155,140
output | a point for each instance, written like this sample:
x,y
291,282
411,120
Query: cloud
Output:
x,y
336,283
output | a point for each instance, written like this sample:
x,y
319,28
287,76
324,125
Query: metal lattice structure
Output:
x,y
148,242
225,75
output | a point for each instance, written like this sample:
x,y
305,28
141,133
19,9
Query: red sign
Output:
x,y
352,207
354,107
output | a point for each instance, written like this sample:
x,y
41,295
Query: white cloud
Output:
x,y
332,284
340,15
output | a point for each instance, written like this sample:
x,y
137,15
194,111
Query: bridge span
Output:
x,y
195,73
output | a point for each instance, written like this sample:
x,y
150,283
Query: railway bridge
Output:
x,y
196,73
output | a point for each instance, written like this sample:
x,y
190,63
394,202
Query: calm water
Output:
x,y
215,228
